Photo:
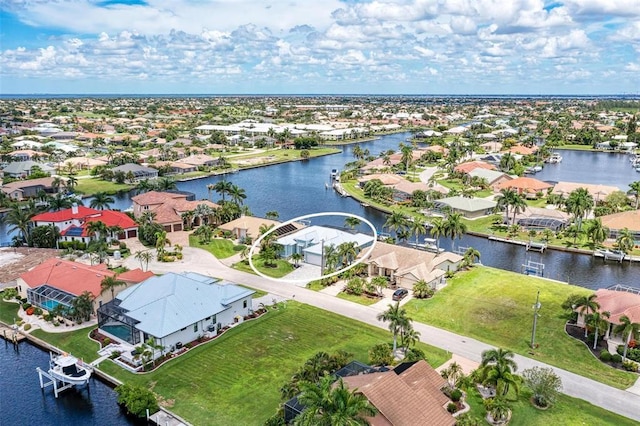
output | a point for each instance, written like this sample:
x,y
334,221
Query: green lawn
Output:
x,y
8,312
76,342
363,300
93,185
280,155
282,268
258,293
235,379
219,247
567,411
494,306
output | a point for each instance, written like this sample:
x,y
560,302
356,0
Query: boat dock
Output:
x,y
340,190
535,246
617,256
506,240
11,334
165,418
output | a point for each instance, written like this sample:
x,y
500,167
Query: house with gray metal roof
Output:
x,y
139,172
174,309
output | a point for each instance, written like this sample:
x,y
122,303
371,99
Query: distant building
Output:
x,y
139,172
169,208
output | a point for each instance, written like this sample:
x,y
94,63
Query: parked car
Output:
x,y
400,294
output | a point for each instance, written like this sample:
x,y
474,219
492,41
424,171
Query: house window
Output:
x,y
214,319
244,304
195,327
183,329
207,318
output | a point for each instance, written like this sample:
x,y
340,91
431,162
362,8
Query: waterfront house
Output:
x,y
493,177
248,227
312,242
174,309
597,191
472,165
73,223
57,282
404,266
469,207
200,160
139,172
22,189
618,221
525,185
410,394
169,208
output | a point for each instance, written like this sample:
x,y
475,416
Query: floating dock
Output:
x,y
11,334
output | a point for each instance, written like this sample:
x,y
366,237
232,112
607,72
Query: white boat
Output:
x,y
334,173
69,369
555,158
431,244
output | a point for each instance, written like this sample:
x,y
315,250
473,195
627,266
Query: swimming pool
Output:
x,y
49,304
120,331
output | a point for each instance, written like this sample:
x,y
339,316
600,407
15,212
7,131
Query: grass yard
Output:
x,y
283,267
219,247
566,411
363,300
93,185
77,343
279,155
8,312
235,378
494,306
258,293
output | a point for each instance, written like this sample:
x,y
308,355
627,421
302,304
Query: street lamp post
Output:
x,y
536,308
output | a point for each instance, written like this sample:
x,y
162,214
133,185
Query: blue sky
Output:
x,y
328,46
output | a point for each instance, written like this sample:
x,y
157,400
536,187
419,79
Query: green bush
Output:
x,y
456,394
27,327
238,247
452,408
26,306
75,245
627,365
37,311
137,400
10,293
106,341
605,356
617,358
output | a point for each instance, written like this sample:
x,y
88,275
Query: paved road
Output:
x,y
618,401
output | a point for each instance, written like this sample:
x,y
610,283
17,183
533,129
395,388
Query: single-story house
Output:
x,y
249,227
21,189
410,394
57,282
174,309
493,177
200,160
22,169
468,207
597,191
73,223
85,163
26,155
139,172
176,167
525,185
405,266
618,221
540,218
472,165
312,242
169,208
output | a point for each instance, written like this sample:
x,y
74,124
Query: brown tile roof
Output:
x,y
524,184
155,197
169,206
629,219
472,165
411,398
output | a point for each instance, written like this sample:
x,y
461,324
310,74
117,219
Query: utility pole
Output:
x,y
536,308
322,263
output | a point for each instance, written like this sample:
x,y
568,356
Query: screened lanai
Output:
x,y
113,320
47,297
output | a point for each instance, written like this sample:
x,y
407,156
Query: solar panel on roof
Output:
x,y
285,229
74,232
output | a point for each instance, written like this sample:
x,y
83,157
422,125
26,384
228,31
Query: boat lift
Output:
x,y
533,268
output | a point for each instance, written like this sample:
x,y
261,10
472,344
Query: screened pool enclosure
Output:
x,y
48,298
112,319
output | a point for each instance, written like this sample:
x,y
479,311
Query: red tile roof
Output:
x,y
619,303
64,215
75,277
113,218
472,165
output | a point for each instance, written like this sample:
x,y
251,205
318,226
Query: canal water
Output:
x,y
22,402
299,188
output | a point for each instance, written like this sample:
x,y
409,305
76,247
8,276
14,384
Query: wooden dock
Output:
x,y
10,334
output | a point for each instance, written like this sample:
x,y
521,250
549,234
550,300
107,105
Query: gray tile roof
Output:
x,y
168,303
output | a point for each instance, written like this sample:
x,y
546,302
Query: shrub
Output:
x,y
544,383
452,407
627,365
179,256
27,327
106,341
30,310
381,354
355,286
137,399
122,245
26,306
605,356
10,293
456,394
617,358
114,355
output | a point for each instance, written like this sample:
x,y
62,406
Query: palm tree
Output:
x,y
635,190
498,369
352,222
60,201
97,228
71,182
223,188
505,199
597,232
407,156
507,162
498,356
144,185
237,194
471,255
587,305
625,240
331,256
161,242
329,404
599,322
397,319
518,204
147,217
396,222
144,257
165,184
272,214
348,252
19,219
82,307
418,227
629,330
409,337
454,227
110,284
579,203
101,201
296,257
437,230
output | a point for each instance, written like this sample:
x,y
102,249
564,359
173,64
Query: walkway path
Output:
x,y
618,401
